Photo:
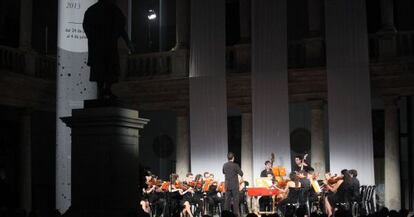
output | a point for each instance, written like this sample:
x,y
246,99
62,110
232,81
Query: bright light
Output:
x,y
152,15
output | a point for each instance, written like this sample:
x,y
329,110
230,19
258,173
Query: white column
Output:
x,y
25,35
182,26
183,148
247,148
245,21
392,155
317,138
25,153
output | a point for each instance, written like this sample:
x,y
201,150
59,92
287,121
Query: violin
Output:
x,y
334,179
154,182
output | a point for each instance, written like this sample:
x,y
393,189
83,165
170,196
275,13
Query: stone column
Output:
x,y
182,26
392,155
245,21
246,148
387,34
314,43
317,138
314,17
247,151
387,15
183,148
25,156
25,35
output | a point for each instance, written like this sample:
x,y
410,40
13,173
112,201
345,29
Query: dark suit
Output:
x,y
230,171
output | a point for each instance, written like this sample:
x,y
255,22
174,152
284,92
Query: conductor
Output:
x,y
231,170
103,24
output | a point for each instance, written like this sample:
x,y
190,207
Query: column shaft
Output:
x,y
317,138
387,15
25,35
245,21
25,175
314,17
182,19
183,149
392,156
246,149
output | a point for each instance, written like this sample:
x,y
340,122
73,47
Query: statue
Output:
x,y
103,24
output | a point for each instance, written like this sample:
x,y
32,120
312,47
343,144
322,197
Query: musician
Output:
x,y
340,190
267,170
355,195
152,196
266,201
291,193
213,195
206,175
191,196
178,195
300,164
231,170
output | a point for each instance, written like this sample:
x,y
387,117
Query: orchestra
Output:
x,y
201,194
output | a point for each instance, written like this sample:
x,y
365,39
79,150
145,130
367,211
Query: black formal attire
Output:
x,y
265,201
103,24
231,171
307,168
355,185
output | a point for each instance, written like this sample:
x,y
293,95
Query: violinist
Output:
x,y
151,194
291,191
214,197
355,195
178,191
339,188
191,196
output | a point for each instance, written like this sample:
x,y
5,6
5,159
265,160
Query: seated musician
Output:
x,y
152,195
265,202
178,196
214,197
356,195
291,192
340,187
305,183
191,196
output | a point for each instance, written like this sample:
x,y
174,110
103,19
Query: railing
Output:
x,y
12,59
308,52
153,64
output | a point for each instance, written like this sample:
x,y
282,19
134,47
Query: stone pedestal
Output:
x,y
392,155
104,160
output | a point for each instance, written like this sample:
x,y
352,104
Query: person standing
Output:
x,y
231,171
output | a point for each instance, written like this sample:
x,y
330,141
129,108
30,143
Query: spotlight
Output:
x,y
152,15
